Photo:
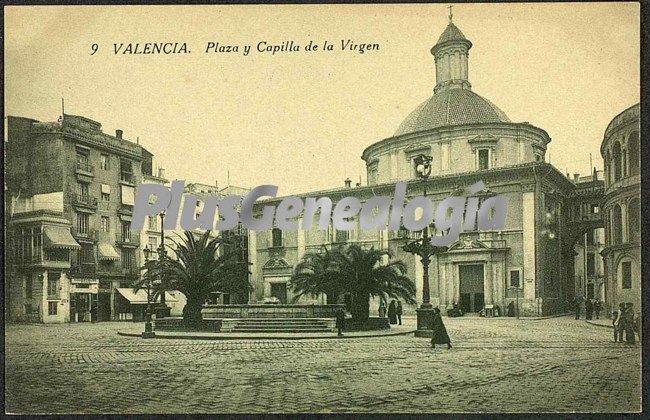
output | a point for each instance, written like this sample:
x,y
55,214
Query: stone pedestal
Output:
x,y
424,316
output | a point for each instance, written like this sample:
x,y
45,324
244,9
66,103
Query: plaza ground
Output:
x,y
500,364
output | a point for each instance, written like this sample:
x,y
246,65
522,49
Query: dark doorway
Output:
x,y
279,290
590,290
472,298
104,307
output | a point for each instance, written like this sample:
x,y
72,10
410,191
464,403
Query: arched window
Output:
x,y
617,224
633,219
633,153
617,161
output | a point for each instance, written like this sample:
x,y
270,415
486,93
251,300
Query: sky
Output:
x,y
301,120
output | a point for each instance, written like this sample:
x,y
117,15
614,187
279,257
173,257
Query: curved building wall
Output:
x,y
455,149
622,208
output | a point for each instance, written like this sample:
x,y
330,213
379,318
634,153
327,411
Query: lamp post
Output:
x,y
148,328
425,250
162,254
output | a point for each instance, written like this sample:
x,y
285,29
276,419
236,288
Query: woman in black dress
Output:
x,y
392,312
439,332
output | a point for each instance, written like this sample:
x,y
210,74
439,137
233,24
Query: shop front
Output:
x,y
83,300
131,305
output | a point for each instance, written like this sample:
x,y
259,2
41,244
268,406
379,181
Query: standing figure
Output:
x,y
392,312
597,307
398,312
438,331
577,303
620,322
382,309
340,321
629,324
615,325
589,309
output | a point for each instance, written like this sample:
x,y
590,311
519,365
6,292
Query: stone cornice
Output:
x,y
99,141
442,184
449,133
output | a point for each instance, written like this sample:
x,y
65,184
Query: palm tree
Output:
x,y
316,274
364,276
202,265
354,270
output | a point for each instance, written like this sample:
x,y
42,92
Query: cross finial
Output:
x,y
451,15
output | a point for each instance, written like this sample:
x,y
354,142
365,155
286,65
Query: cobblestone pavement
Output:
x,y
557,364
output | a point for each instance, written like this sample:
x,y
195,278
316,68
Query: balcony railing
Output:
x,y
85,167
84,233
86,200
127,238
127,177
84,268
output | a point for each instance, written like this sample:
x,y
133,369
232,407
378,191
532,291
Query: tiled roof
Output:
x,y
451,107
451,33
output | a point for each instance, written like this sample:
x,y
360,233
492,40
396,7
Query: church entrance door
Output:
x,y
472,297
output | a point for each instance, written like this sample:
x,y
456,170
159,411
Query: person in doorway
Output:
x,y
382,309
589,309
439,333
398,312
340,321
93,313
629,324
392,312
597,308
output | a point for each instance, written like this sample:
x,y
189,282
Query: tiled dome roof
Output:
x,y
451,107
451,33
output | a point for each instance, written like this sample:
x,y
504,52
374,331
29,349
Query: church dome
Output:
x,y
451,107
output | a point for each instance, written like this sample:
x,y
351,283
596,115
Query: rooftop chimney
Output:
x,y
348,183
575,177
118,133
161,172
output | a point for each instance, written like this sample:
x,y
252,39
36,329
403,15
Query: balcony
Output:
x,y
127,239
127,178
86,200
89,234
131,271
84,268
84,168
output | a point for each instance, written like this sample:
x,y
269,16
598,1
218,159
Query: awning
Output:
x,y
140,297
107,252
59,237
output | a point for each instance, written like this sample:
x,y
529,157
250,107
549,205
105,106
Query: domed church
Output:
x,y
528,265
461,130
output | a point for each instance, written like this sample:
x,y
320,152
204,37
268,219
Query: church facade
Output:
x,y
469,139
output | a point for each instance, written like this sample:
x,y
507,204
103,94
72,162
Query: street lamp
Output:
x,y
423,248
148,328
162,254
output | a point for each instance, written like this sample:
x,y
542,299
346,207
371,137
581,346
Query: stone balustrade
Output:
x,y
269,311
